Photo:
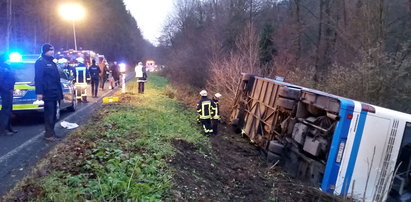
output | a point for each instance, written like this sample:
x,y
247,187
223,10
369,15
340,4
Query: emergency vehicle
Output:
x,y
24,95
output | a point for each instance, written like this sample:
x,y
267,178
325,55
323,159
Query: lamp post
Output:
x,y
123,77
72,12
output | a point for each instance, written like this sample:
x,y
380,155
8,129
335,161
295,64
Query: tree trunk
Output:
x,y
344,6
319,40
381,21
9,24
299,30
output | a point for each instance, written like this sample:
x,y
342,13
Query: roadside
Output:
x,y
20,152
148,147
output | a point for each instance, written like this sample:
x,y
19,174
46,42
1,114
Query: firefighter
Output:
x,y
94,71
64,65
216,118
48,89
206,110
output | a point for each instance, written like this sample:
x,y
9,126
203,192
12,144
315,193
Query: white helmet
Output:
x,y
217,95
80,60
203,93
140,63
62,60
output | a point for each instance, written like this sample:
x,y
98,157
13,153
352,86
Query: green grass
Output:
x,y
129,152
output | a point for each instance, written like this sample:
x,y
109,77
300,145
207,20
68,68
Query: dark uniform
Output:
x,y
7,81
47,83
94,72
216,118
103,75
206,110
115,74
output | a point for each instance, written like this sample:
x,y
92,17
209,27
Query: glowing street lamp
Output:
x,y
72,12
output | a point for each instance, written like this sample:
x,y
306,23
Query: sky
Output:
x,y
151,16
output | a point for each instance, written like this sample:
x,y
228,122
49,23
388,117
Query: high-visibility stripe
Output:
x,y
23,87
25,107
203,108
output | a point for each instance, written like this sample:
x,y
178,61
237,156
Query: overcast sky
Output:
x,y
150,15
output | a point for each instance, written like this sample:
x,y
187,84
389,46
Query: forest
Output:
x,y
108,28
360,49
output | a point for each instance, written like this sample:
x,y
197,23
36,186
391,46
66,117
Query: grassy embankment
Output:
x,y
121,154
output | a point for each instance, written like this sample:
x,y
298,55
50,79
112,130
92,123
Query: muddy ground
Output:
x,y
233,170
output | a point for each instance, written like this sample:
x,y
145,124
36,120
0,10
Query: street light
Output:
x,y
72,12
123,77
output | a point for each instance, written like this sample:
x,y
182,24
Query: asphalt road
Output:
x,y
20,152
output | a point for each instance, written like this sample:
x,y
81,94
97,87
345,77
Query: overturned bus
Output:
x,y
343,146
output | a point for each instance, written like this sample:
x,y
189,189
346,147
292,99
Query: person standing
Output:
x,y
115,73
94,71
7,81
216,118
206,110
48,89
141,76
103,73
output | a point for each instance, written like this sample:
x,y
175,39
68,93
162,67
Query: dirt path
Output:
x,y
233,171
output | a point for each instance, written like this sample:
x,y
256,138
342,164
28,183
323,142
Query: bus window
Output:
x,y
401,187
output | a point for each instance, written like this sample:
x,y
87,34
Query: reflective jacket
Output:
x,y
217,110
206,108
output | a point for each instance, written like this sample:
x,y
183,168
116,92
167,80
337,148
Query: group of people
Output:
x,y
48,89
96,73
209,113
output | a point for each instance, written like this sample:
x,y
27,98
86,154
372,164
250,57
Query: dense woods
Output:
x,y
359,49
107,28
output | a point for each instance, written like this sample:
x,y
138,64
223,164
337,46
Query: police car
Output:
x,y
24,95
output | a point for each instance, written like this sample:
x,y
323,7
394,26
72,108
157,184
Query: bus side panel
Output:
x,y
369,160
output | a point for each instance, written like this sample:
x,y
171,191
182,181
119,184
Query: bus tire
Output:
x,y
275,147
73,106
287,92
286,103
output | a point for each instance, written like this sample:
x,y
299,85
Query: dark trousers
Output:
x,y
140,87
94,86
208,129
102,81
6,108
50,110
214,124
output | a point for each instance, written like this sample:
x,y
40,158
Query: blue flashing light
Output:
x,y
15,57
